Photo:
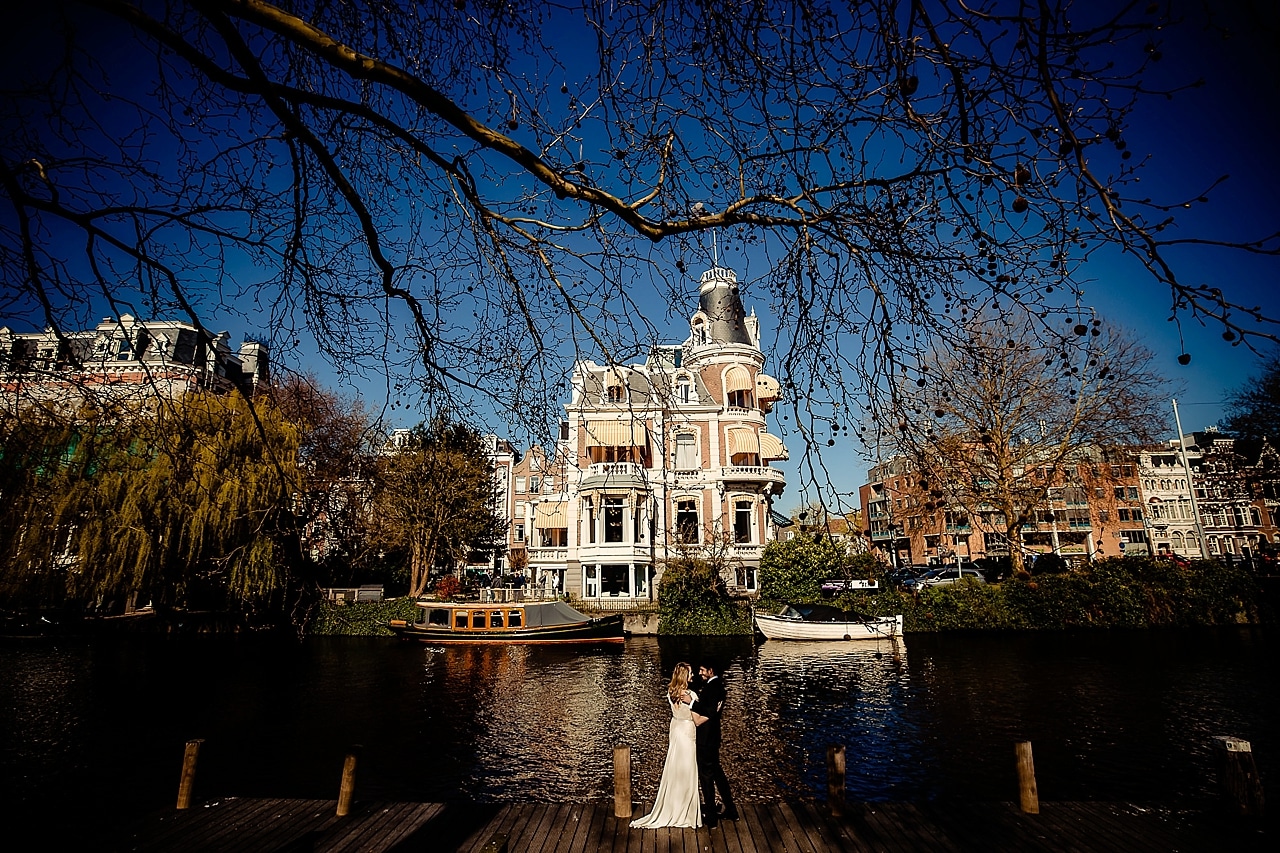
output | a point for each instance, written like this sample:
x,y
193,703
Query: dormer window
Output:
x,y
684,390
614,394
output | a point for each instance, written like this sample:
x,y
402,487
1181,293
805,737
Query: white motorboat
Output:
x,y
824,622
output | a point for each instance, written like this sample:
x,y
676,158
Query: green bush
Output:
x,y
693,599
365,619
1125,592
793,571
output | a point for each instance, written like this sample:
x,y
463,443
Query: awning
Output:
x,y
737,379
551,514
767,387
771,447
743,440
616,434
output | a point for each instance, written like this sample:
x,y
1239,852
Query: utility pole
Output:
x,y
1191,486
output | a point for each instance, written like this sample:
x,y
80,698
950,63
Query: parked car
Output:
x,y
944,576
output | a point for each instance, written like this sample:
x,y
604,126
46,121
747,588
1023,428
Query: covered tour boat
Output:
x,y
825,622
523,622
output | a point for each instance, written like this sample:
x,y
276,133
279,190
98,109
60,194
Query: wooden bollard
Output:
x,y
835,780
1238,776
621,781
188,778
347,788
1028,796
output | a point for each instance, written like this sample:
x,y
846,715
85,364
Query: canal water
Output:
x,y
93,730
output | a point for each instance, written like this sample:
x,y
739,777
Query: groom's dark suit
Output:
x,y
711,698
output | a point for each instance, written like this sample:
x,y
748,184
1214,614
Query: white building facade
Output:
x,y
665,458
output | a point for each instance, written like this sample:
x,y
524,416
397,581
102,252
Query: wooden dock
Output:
x,y
311,826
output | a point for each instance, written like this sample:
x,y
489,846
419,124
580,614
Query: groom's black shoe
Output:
x,y
728,814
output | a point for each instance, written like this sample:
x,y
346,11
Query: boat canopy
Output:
x,y
551,613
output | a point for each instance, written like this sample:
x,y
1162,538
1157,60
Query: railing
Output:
x,y
616,469
548,555
752,472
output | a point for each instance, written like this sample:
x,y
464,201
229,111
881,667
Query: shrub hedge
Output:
x,y
363,619
1124,592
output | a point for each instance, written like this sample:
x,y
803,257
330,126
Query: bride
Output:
x,y
677,800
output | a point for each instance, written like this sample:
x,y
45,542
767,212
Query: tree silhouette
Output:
x,y
1005,421
461,196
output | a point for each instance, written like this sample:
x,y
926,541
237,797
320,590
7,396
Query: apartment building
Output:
x,y
1103,503
123,360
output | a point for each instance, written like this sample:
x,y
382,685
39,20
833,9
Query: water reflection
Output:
x,y
1112,715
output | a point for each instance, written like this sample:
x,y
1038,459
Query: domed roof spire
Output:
x,y
720,302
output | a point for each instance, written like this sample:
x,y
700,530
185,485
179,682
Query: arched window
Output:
x,y
699,333
739,388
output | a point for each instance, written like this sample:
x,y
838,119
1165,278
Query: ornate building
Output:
x,y
125,359
666,457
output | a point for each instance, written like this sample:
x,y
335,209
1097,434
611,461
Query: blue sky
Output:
x,y
1228,127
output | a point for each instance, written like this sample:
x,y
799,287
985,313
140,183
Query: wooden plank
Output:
x,y
547,829
742,827
574,831
918,833
518,822
292,826
511,820
891,830
820,827
760,839
246,819
594,839
1137,833
380,827
293,821
794,829
995,826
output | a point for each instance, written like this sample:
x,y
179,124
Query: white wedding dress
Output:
x,y
677,800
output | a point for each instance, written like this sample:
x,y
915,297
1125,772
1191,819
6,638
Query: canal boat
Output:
x,y
825,622
523,622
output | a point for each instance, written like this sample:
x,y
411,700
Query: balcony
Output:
x,y
752,473
548,555
616,469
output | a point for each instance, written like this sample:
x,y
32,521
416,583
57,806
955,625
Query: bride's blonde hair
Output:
x,y
679,680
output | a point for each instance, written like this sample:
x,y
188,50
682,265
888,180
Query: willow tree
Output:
x,y
437,500
188,506
1004,420
460,196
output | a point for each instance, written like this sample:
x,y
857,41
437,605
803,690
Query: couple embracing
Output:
x,y
693,754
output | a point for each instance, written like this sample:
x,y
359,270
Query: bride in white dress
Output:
x,y
677,800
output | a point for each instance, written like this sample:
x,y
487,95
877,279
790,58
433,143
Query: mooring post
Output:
x,y
188,778
1028,796
1238,776
347,788
835,780
621,781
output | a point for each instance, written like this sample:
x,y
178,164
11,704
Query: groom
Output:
x,y
710,704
